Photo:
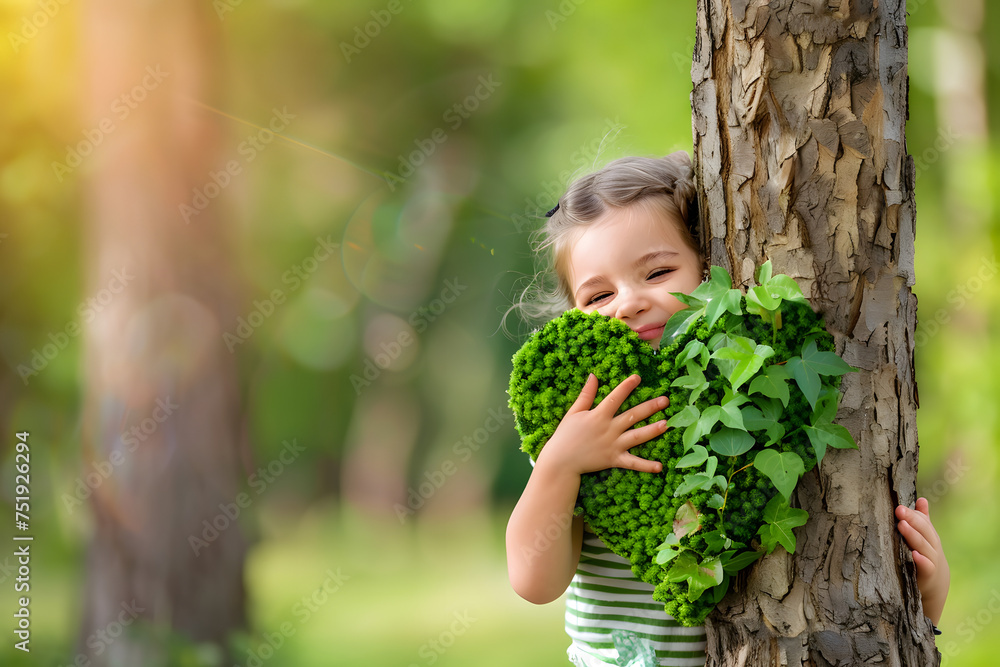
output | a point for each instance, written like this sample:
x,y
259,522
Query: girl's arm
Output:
x,y
543,537
933,574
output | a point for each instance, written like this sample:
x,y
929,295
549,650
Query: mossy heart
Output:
x,y
747,419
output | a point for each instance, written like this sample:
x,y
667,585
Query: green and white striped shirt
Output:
x,y
605,596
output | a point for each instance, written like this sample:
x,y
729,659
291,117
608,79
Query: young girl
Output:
x,y
620,241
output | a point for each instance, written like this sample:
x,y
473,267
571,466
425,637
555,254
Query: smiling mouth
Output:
x,y
651,332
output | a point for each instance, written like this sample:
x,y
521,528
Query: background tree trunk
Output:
x,y
799,117
162,409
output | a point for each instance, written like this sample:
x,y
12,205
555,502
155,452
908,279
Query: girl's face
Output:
x,y
626,264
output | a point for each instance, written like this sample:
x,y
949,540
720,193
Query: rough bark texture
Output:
x,y
799,114
154,355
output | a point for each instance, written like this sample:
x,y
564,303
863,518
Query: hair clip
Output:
x,y
552,212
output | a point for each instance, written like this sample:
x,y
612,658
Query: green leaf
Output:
x,y
709,418
720,591
740,561
782,469
785,287
687,520
731,442
689,415
732,416
729,301
666,554
671,540
719,283
679,322
826,405
825,363
780,520
696,457
807,379
716,502
764,273
708,573
695,349
833,435
685,567
691,483
762,299
715,540
749,358
774,383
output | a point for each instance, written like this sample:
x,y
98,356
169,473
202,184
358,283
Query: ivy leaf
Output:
x,y
731,442
774,383
732,416
696,457
833,435
749,358
680,321
716,502
695,349
786,288
666,554
780,519
709,573
721,590
826,406
729,301
782,469
740,561
691,483
689,415
813,363
719,283
760,297
764,273
687,520
715,540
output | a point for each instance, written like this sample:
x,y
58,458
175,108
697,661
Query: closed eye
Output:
x,y
660,272
598,297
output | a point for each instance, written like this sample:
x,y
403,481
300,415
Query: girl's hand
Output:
x,y
933,575
588,440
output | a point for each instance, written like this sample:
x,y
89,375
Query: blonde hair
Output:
x,y
666,181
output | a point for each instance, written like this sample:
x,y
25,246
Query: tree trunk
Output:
x,y
161,408
799,114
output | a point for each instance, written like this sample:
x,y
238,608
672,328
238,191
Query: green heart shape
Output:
x,y
725,391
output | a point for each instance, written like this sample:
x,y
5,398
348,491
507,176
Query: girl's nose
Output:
x,y
629,304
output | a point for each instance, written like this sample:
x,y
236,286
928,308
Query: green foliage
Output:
x,y
747,419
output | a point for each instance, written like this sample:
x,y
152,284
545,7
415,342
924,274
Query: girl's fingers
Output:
x,y
633,462
923,507
618,395
643,411
637,436
915,539
920,521
587,395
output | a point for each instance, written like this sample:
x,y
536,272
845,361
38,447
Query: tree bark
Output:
x,y
799,112
161,409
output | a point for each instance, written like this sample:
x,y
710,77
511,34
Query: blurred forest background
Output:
x,y
424,141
